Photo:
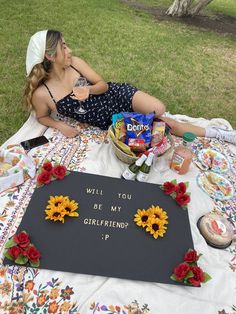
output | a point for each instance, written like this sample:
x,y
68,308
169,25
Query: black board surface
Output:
x,y
117,248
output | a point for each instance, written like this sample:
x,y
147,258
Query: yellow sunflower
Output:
x,y
70,208
156,227
56,201
55,213
141,218
158,212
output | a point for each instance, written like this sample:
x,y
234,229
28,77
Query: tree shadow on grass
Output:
x,y
218,23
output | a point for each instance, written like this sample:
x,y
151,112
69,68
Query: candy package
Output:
x,y
138,126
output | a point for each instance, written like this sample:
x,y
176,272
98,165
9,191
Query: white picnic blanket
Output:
x,y
43,291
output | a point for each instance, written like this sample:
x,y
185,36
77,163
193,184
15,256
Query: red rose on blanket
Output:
x,y
32,253
59,172
48,166
191,256
169,188
181,188
22,239
44,177
14,252
181,271
198,276
182,199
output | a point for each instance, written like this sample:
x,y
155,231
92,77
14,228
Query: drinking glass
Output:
x,y
81,92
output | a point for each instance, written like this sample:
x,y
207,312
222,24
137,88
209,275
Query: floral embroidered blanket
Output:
x,y
30,290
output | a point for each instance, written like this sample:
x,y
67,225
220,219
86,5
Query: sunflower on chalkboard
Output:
x,y
60,206
153,220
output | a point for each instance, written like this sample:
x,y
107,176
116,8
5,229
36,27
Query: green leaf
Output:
x,y
39,185
185,207
188,193
67,173
34,264
173,277
173,195
187,184
8,256
207,277
10,243
21,259
189,275
174,181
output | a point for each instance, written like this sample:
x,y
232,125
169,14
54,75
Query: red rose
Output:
x,y
181,188
198,276
169,188
191,256
59,171
181,271
14,251
44,177
22,239
47,166
182,199
32,253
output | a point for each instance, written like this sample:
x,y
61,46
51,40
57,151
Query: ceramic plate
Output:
x,y
213,160
216,185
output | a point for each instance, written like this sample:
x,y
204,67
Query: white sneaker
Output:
x,y
226,135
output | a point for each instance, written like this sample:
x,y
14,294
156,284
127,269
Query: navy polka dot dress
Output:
x,y
97,110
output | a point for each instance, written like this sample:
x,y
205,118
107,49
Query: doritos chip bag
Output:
x,y
138,126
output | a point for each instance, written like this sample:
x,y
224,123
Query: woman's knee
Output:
x,y
160,108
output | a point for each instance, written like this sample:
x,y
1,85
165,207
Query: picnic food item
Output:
x,y
119,127
138,126
182,155
4,166
213,160
143,172
217,186
132,170
216,230
158,131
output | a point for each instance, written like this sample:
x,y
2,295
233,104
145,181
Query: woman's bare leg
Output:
x,y
145,103
179,128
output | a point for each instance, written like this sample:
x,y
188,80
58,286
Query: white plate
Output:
x,y
214,184
213,160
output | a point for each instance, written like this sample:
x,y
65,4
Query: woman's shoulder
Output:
x,y
77,62
40,94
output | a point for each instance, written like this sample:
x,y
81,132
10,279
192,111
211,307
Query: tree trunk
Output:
x,y
186,7
194,10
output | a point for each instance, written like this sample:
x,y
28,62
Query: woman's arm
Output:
x,y
42,111
99,86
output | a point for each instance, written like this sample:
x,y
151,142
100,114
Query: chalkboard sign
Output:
x,y
104,240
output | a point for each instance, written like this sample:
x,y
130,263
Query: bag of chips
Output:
x,y
119,126
138,126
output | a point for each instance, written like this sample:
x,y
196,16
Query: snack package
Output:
x,y
137,144
125,148
118,124
138,126
158,131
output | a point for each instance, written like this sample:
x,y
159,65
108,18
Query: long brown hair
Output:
x,y
40,72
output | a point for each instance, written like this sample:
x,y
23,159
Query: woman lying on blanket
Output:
x,y
51,73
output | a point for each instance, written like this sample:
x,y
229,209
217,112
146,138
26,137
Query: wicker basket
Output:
x,y
128,159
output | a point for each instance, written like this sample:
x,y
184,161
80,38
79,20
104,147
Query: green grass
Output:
x,y
192,71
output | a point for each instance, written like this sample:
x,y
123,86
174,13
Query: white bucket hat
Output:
x,y
36,50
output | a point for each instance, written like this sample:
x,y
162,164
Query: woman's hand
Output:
x,y
67,130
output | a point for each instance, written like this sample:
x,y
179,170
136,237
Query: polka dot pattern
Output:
x,y
97,110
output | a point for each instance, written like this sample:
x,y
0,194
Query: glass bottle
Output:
x,y
132,170
143,173
182,155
